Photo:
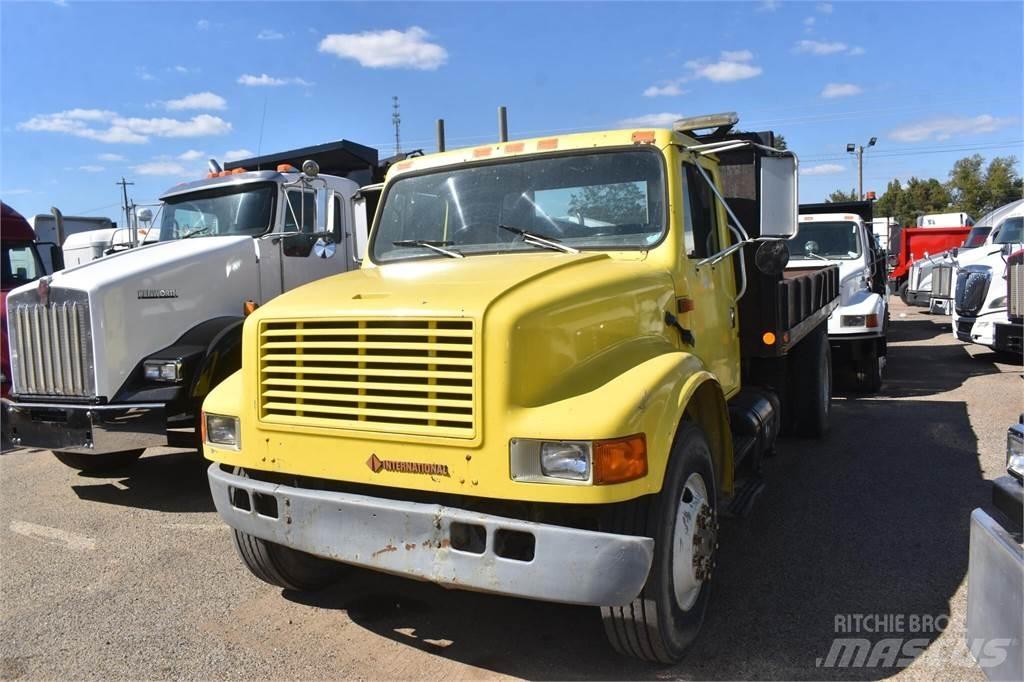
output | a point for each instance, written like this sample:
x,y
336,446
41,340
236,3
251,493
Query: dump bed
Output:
x,y
776,311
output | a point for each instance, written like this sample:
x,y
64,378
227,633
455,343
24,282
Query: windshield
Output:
x,y
608,201
831,240
977,237
1011,231
238,210
20,265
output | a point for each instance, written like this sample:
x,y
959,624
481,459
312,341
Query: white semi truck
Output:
x,y
987,305
857,328
116,355
927,277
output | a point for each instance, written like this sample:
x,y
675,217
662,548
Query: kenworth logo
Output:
x,y
158,293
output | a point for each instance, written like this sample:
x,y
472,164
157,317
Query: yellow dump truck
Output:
x,y
561,360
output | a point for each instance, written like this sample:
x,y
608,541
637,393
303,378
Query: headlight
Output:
x,y
168,371
566,459
579,462
1015,452
997,303
221,430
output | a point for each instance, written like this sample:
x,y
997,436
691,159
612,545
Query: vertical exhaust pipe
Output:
x,y
440,134
58,220
502,124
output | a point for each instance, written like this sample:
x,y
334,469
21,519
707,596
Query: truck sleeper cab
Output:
x,y
528,387
116,355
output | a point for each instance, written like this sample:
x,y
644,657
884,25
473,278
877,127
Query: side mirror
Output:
x,y
772,257
311,168
779,192
955,251
893,260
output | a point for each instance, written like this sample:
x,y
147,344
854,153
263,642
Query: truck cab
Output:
x,y
934,273
981,303
560,358
857,329
116,355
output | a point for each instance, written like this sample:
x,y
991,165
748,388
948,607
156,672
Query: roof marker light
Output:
x,y
643,137
550,143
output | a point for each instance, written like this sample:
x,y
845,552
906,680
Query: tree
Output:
x,y
967,186
1002,184
891,201
840,195
620,203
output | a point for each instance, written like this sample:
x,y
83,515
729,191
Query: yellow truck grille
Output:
x,y
396,376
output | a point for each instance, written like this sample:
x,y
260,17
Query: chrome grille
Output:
x,y
942,281
398,376
51,349
915,277
1015,289
972,285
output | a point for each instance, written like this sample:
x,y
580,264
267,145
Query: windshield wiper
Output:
x,y
192,233
537,239
436,246
814,255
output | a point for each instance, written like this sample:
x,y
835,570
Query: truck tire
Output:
x,y
283,566
903,293
869,369
812,380
661,623
97,463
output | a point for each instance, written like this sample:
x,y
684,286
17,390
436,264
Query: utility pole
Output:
x,y
124,188
396,120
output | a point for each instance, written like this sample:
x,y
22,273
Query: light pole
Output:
x,y
859,150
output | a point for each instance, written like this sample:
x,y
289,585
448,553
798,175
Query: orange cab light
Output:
x,y
249,307
202,426
685,305
223,174
620,459
871,320
481,152
402,165
211,174
514,147
238,171
768,338
285,168
550,143
643,137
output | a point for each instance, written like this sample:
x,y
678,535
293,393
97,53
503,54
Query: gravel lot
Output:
x,y
135,577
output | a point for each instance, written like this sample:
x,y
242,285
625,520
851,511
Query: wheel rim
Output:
x,y
694,539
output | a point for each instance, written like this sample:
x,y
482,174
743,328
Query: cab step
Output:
x,y
745,495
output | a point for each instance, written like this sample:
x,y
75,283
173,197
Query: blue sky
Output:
x,y
93,91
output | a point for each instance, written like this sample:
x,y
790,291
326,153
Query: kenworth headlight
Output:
x,y
167,371
221,430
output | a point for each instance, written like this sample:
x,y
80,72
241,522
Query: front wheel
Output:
x,y
109,461
665,618
869,369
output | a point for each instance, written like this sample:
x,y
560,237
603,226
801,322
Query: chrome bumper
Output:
x,y
415,540
995,597
86,429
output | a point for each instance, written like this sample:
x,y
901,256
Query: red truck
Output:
x,y
19,265
912,243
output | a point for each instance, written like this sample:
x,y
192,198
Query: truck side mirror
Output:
x,y
772,257
893,260
779,192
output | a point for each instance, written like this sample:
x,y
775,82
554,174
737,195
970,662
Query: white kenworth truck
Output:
x,y
987,306
839,233
116,355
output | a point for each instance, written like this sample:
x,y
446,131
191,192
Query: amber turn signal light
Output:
x,y
249,307
620,459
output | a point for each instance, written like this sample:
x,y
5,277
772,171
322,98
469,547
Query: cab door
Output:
x,y
309,249
710,290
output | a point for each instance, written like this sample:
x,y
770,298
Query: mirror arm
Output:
x,y
724,203
724,253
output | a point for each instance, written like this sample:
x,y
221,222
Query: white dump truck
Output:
x,y
116,355
840,234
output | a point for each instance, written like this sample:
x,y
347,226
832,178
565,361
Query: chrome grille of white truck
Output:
x,y
942,281
51,349
1015,289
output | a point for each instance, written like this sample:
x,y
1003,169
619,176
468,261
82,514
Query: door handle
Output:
x,y
684,333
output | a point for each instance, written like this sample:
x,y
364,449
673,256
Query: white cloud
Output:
x,y
144,74
389,49
733,66
768,5
109,127
825,7
820,48
160,168
191,155
263,80
841,90
667,90
947,127
856,51
822,169
737,55
269,34
203,24
91,168
199,100
236,154
651,120
110,157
